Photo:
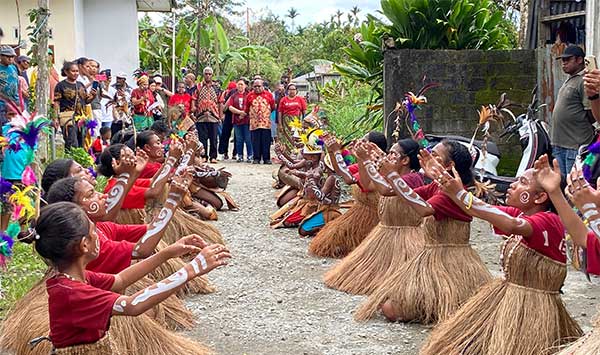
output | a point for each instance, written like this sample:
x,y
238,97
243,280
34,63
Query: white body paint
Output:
x,y
185,160
163,218
116,193
374,174
176,280
202,260
405,190
481,206
165,170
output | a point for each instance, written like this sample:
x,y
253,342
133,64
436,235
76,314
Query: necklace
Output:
x,y
71,277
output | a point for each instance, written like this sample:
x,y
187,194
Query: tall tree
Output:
x,y
292,14
354,11
339,15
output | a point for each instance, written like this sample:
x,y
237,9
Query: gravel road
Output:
x,y
271,299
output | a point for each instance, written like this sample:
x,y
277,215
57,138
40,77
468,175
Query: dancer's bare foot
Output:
x,y
388,310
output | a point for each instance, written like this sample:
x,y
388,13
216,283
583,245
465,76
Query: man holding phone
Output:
x,y
591,84
572,118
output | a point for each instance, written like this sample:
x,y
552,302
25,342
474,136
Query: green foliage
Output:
x,y
101,182
345,102
446,24
23,271
81,156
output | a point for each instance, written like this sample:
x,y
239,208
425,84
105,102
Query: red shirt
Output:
x,y
292,106
80,313
185,99
150,170
593,254
142,108
116,246
442,204
259,108
136,197
548,236
238,100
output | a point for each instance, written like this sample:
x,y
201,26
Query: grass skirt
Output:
x,y
393,242
589,344
104,346
435,283
28,319
131,216
521,315
345,233
184,224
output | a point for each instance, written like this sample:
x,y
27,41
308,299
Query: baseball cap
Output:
x,y
122,75
572,51
23,58
7,51
157,79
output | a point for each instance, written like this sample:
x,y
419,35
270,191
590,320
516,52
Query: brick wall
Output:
x,y
469,79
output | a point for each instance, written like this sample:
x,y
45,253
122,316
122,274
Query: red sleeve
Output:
x,y
281,104
443,205
248,102
115,256
91,307
129,232
141,182
354,171
135,198
593,254
100,280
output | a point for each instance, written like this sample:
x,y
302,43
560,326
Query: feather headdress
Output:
x,y
313,144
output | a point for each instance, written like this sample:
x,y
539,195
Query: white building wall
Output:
x,y
592,31
114,40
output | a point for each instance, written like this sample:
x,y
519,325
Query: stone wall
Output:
x,y
468,78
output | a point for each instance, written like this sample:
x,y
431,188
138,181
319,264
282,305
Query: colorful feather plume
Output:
x,y
412,102
23,202
6,244
590,161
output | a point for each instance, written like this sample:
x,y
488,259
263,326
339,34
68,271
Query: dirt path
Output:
x,y
271,299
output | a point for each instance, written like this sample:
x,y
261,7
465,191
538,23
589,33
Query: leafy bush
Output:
x,y
344,103
81,156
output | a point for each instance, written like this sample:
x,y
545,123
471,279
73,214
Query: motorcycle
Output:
x,y
533,137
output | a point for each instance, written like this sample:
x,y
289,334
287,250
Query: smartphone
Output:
x,y
95,85
101,77
590,63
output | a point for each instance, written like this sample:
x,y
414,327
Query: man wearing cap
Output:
x,y
164,93
9,80
571,119
22,63
121,84
207,109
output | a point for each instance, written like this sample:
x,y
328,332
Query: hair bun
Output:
x,y
28,236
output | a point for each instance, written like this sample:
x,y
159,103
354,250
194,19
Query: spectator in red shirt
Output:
x,y
101,142
181,98
240,120
259,105
290,106
142,99
207,108
227,122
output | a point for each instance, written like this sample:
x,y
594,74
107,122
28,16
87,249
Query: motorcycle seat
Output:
x,y
492,148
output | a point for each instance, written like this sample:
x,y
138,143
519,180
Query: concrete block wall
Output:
x,y
468,78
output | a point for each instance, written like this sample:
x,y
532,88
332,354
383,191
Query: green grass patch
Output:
x,y
24,270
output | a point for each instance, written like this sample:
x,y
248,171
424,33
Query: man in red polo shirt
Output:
x,y
259,105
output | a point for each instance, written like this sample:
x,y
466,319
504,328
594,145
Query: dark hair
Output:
x,y
144,138
462,159
379,139
56,170
60,228
160,127
106,157
63,190
81,60
411,150
104,130
66,66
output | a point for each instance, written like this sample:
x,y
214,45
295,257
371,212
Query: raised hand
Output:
x,y
181,182
141,159
191,244
387,165
175,150
428,162
331,142
580,192
591,82
360,150
126,162
209,258
450,185
548,176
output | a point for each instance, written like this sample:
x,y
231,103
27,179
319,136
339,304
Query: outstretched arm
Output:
x,y
209,258
401,188
146,245
471,205
127,170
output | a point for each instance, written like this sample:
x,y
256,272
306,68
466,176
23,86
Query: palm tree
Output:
x,y
339,14
354,11
292,14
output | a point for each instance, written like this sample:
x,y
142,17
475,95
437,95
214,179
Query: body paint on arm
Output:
x,y
164,170
116,193
472,202
343,169
402,187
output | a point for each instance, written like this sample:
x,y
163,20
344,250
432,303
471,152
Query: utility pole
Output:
x,y
42,84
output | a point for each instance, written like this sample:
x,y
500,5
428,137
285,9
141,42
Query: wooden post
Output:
x,y
42,84
592,26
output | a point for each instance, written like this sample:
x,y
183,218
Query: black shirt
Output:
x,y
71,97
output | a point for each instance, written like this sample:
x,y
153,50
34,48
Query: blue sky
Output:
x,y
311,11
